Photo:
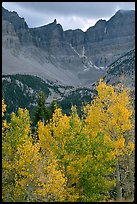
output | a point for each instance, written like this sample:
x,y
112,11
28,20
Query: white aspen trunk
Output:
x,y
47,197
131,178
118,183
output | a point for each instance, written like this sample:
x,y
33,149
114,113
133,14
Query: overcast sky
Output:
x,y
71,15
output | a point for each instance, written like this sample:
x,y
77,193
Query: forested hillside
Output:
x,y
122,71
22,91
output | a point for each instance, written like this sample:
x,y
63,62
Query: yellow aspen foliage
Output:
x,y
4,122
27,161
53,138
75,158
45,139
52,186
59,124
26,168
60,130
110,112
130,147
16,134
19,128
3,107
37,179
78,155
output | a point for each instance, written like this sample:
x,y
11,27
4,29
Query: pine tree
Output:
x,y
53,107
41,113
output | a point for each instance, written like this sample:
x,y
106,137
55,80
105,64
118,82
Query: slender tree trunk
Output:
x,y
118,183
47,197
131,177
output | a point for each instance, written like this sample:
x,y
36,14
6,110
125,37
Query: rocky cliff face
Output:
x,y
10,39
121,24
70,57
107,40
20,26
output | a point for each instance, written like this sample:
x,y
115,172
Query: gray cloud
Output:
x,y
70,15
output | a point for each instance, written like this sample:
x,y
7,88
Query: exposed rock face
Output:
x,y
111,39
10,39
20,26
121,24
74,37
79,54
107,40
96,33
47,36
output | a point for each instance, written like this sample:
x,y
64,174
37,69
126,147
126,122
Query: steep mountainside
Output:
x,y
71,57
122,71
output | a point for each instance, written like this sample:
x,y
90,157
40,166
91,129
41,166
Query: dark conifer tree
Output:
x,y
41,113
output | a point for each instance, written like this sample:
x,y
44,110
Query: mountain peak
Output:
x,y
124,12
100,22
55,21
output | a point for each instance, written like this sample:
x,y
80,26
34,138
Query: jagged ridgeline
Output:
x,y
72,57
22,91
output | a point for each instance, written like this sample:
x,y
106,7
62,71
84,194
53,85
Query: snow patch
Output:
x,y
19,83
83,52
96,67
30,90
8,79
74,50
86,69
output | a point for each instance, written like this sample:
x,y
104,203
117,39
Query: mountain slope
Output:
x,y
71,57
22,90
122,71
